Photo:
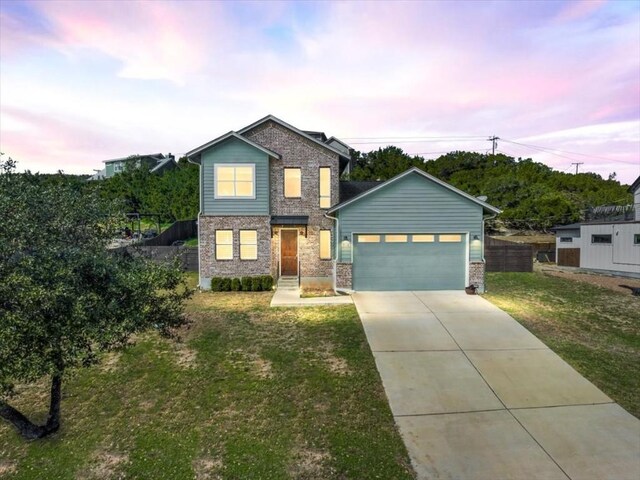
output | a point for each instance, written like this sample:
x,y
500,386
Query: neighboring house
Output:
x,y
606,246
156,162
271,203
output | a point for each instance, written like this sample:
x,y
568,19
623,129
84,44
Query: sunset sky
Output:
x,y
81,82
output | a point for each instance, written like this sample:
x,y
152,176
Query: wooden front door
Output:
x,y
288,252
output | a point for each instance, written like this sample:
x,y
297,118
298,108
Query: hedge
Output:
x,y
245,284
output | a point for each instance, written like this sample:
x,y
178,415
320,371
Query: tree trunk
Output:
x,y
28,429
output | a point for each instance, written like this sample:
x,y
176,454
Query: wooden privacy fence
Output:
x,y
180,230
187,256
503,256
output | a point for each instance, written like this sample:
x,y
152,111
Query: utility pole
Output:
x,y
577,164
494,144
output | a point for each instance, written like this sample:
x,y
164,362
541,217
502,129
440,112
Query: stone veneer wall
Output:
x,y
210,267
344,275
476,275
297,151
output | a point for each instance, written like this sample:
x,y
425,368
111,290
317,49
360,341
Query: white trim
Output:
x,y
216,166
293,129
226,136
427,176
280,249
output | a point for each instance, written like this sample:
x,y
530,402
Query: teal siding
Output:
x,y
235,151
408,266
108,170
412,204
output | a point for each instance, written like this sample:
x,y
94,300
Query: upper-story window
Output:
x,y
118,167
325,187
235,181
292,183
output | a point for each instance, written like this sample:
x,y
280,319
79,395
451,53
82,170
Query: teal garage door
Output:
x,y
409,261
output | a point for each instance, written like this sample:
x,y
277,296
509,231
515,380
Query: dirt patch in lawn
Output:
x,y
110,362
185,357
6,468
310,465
105,465
605,281
335,364
207,468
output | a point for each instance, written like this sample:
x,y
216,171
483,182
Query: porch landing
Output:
x,y
288,295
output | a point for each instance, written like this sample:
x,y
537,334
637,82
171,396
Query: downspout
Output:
x,y
335,264
201,203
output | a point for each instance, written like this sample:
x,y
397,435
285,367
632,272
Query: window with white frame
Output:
x,y
248,245
224,244
566,239
235,181
636,239
325,244
325,187
292,183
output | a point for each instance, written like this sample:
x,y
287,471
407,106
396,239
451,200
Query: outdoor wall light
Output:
x,y
345,238
476,237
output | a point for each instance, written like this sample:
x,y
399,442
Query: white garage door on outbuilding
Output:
x,y
415,261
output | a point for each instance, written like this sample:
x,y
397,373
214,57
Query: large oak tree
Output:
x,y
64,296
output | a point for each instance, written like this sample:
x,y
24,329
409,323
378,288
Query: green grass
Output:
x,y
593,328
191,242
251,393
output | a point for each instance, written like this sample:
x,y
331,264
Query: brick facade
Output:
x,y
476,275
344,273
210,267
297,151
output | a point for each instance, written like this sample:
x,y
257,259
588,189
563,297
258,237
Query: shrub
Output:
x,y
225,285
246,284
256,284
236,286
267,283
216,283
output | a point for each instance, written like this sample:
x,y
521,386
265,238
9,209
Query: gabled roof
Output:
x,y
485,206
350,189
197,151
164,163
572,226
156,156
334,139
293,129
635,185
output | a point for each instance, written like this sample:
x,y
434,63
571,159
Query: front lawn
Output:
x,y
251,393
593,328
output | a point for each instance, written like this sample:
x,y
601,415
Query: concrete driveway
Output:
x,y
476,396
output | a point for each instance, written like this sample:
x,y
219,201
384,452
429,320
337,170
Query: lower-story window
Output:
x,y
325,244
224,244
248,245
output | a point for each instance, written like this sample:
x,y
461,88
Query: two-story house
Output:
x,y
271,202
264,193
154,162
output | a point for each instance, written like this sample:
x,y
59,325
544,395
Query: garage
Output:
x,y
411,232
416,261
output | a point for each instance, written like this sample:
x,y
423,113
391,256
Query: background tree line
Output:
x,y
531,194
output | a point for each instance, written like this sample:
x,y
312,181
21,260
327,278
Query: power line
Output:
x,y
554,150
577,164
413,141
391,137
